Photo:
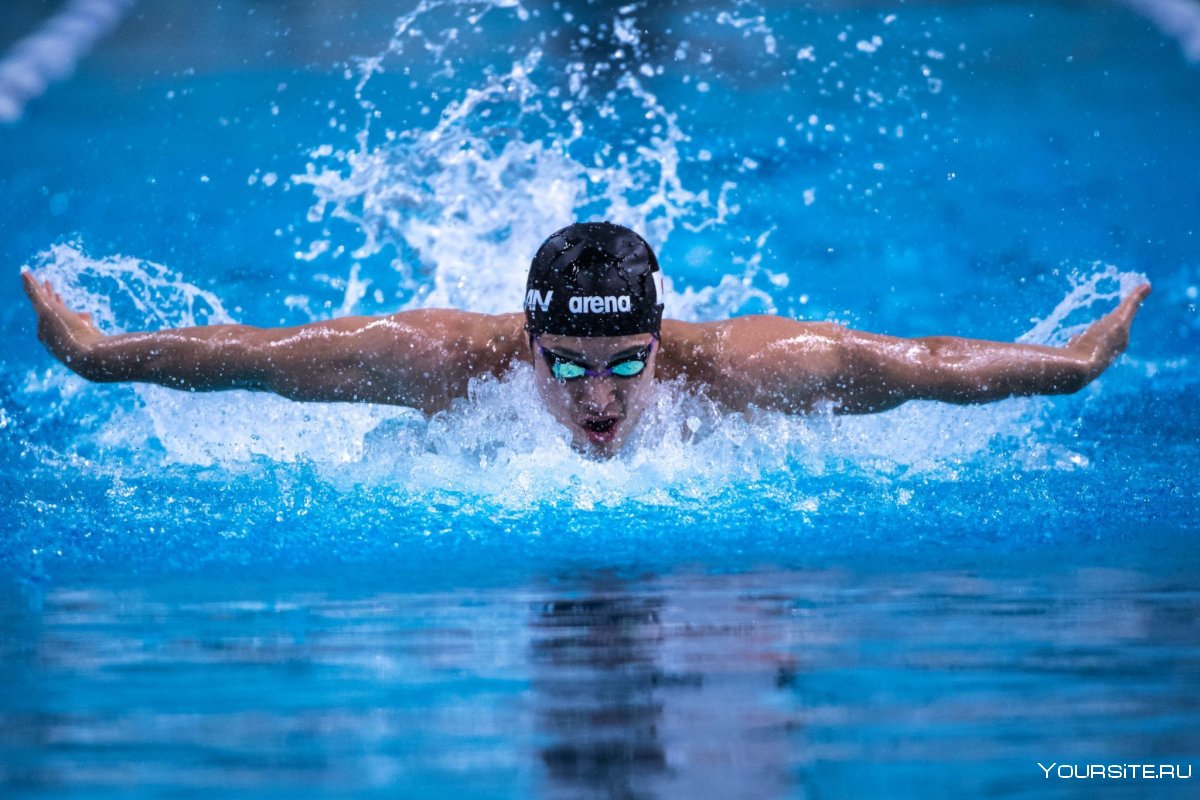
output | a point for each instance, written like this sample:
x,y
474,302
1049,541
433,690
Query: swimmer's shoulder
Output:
x,y
472,341
736,359
500,340
694,345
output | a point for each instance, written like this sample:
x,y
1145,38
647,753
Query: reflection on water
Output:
x,y
660,695
770,684
597,682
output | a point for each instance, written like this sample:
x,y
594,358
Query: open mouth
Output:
x,y
600,430
599,425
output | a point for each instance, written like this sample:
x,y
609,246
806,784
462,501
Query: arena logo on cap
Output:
x,y
601,305
535,298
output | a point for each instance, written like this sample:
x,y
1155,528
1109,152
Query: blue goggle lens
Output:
x,y
569,370
627,369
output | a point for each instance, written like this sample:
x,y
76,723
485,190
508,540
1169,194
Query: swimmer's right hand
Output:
x,y
69,335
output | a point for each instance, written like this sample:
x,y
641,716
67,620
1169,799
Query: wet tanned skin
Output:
x,y
425,359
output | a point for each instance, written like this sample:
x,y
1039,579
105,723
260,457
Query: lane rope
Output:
x,y
51,52
1179,19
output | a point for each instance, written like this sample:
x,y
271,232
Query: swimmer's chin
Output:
x,y
598,452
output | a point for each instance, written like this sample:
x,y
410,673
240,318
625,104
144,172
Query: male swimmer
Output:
x,y
594,332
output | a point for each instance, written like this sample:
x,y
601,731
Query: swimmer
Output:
x,y
593,330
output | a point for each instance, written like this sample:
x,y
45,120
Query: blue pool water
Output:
x,y
235,593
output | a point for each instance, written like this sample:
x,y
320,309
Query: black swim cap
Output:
x,y
594,279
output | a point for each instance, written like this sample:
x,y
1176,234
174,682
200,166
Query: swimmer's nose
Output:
x,y
597,393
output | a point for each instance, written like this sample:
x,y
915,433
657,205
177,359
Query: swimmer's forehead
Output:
x,y
594,346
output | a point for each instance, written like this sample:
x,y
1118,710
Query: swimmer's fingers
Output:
x,y
1132,303
66,333
1122,315
41,293
1118,321
54,295
48,301
32,289
1107,337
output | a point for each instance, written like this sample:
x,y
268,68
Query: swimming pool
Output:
x,y
233,592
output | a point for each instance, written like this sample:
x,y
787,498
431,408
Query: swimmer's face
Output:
x,y
599,410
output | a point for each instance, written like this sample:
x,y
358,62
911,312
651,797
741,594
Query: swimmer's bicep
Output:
x,y
873,372
425,359
318,362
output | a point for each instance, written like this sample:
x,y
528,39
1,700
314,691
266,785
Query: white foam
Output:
x,y
124,293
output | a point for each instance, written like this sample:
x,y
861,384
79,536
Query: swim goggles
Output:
x,y
625,366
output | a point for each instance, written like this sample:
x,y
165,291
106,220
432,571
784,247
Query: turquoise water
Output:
x,y
231,592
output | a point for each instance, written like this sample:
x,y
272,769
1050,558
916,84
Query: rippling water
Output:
x,y
827,682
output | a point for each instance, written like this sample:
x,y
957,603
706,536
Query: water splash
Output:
x,y
1105,283
536,146
123,293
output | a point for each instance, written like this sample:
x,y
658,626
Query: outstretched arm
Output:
x,y
881,372
783,364
421,359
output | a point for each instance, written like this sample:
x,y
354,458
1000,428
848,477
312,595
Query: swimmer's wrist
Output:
x,y
85,360
73,349
105,359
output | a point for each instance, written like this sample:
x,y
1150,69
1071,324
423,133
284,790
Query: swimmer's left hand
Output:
x,y
70,335
1106,338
